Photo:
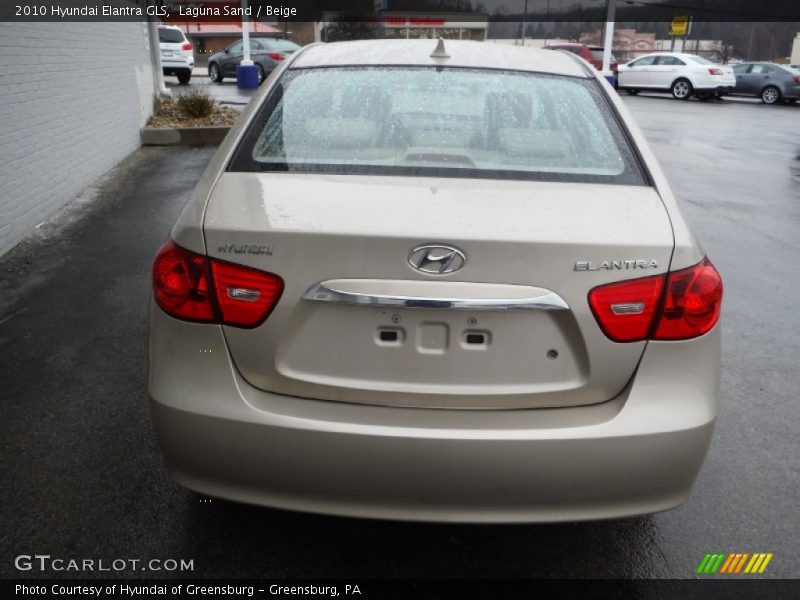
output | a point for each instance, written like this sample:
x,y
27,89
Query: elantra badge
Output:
x,y
615,265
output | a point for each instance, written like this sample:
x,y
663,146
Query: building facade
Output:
x,y
629,44
418,25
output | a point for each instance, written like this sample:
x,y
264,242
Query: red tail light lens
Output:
x,y
691,304
715,71
625,310
180,284
276,56
245,296
796,79
687,308
186,46
242,297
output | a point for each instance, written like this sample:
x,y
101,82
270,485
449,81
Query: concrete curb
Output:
x,y
187,136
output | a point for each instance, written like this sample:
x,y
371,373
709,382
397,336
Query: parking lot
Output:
x,y
84,477
227,93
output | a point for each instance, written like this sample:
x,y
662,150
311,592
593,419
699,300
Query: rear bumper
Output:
x,y
174,66
638,453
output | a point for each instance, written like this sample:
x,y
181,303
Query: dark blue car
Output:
x,y
266,54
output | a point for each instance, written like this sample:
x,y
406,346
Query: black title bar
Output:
x,y
532,11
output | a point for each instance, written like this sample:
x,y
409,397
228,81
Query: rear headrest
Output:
x,y
440,139
506,109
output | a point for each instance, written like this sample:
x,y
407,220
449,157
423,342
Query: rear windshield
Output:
x,y
701,60
170,36
438,122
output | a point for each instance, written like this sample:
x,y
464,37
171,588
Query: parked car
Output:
x,y
684,75
592,54
771,82
442,283
266,53
177,56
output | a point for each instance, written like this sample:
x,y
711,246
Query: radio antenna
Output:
x,y
440,51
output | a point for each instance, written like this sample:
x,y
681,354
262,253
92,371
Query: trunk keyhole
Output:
x,y
388,336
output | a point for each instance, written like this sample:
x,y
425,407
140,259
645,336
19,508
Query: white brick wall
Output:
x,y
72,99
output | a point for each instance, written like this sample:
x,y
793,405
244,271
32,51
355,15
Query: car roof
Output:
x,y
666,53
575,45
479,55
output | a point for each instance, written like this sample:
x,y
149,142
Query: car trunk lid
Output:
x,y
509,328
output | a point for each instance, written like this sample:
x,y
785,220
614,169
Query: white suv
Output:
x,y
682,74
177,57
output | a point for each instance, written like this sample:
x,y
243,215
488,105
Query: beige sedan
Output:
x,y
435,282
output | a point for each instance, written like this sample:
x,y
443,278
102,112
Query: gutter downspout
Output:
x,y
160,87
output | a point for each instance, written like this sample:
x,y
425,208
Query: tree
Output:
x,y
577,25
724,51
350,27
734,41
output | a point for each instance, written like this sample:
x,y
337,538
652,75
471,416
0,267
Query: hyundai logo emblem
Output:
x,y
436,259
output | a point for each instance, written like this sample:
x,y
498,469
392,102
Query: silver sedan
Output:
x,y
771,82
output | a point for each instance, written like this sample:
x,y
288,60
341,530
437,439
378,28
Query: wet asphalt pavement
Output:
x,y
83,476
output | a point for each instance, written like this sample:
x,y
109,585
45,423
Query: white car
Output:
x,y
682,74
177,57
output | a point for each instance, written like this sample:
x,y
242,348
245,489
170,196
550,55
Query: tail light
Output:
x,y
186,46
796,79
677,306
692,303
180,284
237,295
715,72
246,296
625,310
276,56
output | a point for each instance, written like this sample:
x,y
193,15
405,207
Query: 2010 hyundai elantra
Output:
x,y
439,282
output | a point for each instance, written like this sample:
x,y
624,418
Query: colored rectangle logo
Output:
x,y
734,563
